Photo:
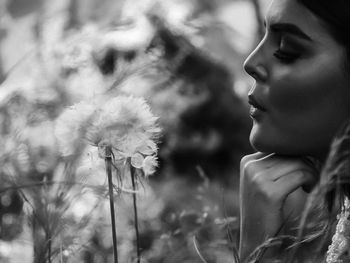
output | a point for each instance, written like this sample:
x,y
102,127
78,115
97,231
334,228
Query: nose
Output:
x,y
256,64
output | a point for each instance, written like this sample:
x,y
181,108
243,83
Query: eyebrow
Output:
x,y
290,29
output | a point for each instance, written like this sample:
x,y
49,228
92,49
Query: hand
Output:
x,y
270,195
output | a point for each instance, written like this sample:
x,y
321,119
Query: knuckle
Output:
x,y
264,188
265,193
268,194
250,157
251,168
245,160
257,179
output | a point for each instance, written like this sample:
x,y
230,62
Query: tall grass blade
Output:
x,y
197,250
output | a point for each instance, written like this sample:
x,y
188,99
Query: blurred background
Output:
x,y
185,58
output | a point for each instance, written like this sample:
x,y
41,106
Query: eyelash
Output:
x,y
285,56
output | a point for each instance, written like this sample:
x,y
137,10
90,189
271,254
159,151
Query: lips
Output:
x,y
252,101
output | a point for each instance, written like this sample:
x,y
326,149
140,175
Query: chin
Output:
x,y
272,144
272,141
260,143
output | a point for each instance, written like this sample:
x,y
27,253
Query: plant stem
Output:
x,y
132,172
49,244
108,161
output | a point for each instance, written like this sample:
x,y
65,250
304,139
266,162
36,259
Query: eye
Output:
x,y
287,51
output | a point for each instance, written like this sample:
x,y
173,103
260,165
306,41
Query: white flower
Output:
x,y
124,123
340,241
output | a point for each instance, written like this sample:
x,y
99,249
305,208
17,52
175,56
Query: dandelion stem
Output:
x,y
49,247
108,160
132,172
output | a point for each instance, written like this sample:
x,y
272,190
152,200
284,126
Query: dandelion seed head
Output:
x,y
124,123
69,126
91,168
137,160
149,165
90,79
127,124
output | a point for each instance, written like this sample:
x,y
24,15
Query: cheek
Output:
x,y
298,91
306,104
305,90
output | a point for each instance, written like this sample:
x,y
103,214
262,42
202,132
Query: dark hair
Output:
x,y
336,16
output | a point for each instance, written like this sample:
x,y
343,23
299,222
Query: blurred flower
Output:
x,y
135,35
124,123
88,77
69,126
74,51
31,151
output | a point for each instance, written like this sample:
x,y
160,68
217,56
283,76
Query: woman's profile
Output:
x,y
300,99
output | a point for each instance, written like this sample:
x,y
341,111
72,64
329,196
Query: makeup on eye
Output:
x,y
288,50
290,40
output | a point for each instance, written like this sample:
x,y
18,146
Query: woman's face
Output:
x,y
302,90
